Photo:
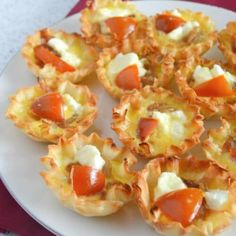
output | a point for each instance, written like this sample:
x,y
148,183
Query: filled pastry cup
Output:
x,y
107,186
208,84
106,23
154,122
169,187
227,39
220,145
52,54
46,114
182,32
123,69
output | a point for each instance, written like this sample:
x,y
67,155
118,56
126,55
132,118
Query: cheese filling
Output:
x,y
71,107
121,61
216,199
62,48
171,123
102,14
89,155
168,182
203,74
182,31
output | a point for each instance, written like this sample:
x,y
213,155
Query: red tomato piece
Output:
x,y
167,23
87,180
49,106
128,78
145,127
121,27
216,87
44,55
181,205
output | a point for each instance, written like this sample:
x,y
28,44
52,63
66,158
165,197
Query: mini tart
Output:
x,y
117,190
209,105
220,144
195,43
91,28
195,173
40,129
48,72
159,67
227,42
141,104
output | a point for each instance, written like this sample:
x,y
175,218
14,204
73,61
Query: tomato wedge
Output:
x,y
49,107
44,55
216,87
121,27
145,127
167,23
87,180
182,205
128,78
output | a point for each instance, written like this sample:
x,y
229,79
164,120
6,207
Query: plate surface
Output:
x,y
19,155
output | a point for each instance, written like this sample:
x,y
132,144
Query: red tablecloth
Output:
x,y
12,217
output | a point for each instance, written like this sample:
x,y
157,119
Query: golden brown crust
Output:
x,y
219,142
132,107
91,29
205,175
44,130
48,73
196,43
160,68
226,38
209,105
117,190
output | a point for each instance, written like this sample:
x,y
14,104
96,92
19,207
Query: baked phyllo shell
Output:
x,y
194,172
220,143
227,45
209,105
117,190
20,112
139,104
159,69
76,45
195,43
91,28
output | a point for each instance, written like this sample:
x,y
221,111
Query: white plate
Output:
x,y
19,155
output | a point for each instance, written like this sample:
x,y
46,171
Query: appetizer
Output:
x,y
227,42
54,54
220,145
207,83
90,175
106,23
185,196
46,115
121,70
154,121
182,32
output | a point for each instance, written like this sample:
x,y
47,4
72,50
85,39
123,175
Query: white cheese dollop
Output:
x,y
175,12
62,48
168,182
89,155
203,74
71,106
216,199
103,14
121,61
171,123
182,31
